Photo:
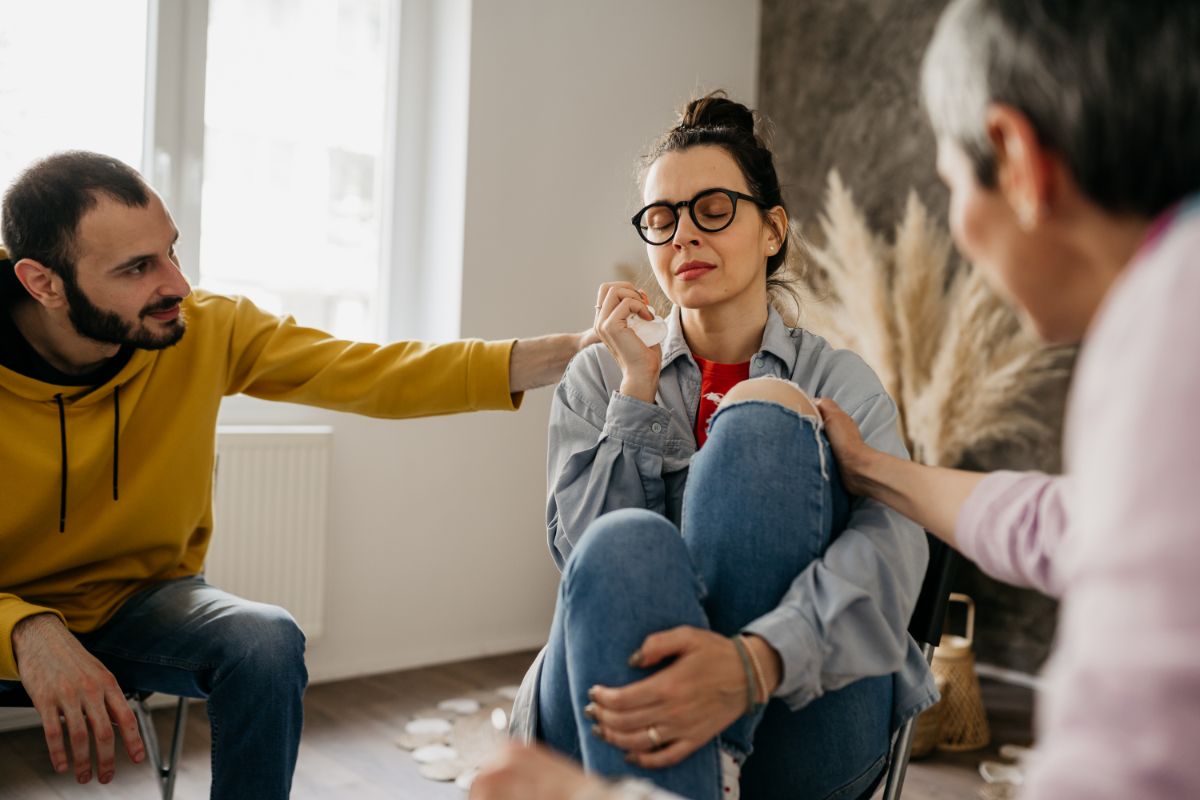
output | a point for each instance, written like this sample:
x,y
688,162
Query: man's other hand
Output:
x,y
71,689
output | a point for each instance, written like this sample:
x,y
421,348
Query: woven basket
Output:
x,y
927,730
964,724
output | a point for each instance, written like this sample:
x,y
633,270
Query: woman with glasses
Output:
x,y
765,647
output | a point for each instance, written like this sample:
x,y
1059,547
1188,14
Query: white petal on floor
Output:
x,y
465,780
422,726
508,692
459,705
442,770
434,752
411,741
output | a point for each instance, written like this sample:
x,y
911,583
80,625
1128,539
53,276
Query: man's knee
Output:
x,y
772,390
267,637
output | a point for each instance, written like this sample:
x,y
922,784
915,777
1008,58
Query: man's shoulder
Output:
x,y
204,303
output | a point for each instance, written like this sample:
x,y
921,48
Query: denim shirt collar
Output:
x,y
778,340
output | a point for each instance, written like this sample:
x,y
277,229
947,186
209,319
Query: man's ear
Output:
x,y
43,284
1024,168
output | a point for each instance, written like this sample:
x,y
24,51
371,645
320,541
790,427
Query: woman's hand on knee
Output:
x,y
662,719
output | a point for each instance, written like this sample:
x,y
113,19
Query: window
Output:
x,y
92,100
265,129
293,147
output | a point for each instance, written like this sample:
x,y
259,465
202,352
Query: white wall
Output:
x,y
438,545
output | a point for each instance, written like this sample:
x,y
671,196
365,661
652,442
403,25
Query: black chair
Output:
x,y
165,769
926,627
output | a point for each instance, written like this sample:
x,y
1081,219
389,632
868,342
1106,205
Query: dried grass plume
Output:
x,y
964,372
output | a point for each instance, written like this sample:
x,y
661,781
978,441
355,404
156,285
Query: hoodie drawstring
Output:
x,y
62,436
116,434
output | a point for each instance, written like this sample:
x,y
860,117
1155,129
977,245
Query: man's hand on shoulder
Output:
x,y
70,687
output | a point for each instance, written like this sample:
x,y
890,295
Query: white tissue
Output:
x,y
650,331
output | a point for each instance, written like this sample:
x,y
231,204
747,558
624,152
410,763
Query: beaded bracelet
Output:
x,y
752,704
758,673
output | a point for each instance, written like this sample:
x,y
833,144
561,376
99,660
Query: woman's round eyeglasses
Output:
x,y
711,210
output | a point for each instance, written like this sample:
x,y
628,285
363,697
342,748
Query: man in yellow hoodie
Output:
x,y
111,373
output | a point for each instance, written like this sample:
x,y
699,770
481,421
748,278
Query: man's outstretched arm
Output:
x,y
541,361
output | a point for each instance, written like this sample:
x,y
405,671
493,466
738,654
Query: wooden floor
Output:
x,y
349,748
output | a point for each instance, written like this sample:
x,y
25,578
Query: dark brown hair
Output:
x,y
43,207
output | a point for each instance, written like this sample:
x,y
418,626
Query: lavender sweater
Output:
x,y
1118,540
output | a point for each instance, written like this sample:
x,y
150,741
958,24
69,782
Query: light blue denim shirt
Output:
x,y
846,615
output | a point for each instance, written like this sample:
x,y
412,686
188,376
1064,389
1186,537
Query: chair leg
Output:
x,y
171,770
902,747
166,770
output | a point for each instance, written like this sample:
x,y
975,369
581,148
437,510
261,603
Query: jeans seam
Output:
x,y
160,661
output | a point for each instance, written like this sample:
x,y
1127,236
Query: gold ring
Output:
x,y
655,739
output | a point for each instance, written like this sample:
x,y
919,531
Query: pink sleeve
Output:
x,y
1012,526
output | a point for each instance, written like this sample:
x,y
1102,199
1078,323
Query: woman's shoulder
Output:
x,y
839,373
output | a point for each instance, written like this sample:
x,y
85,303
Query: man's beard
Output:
x,y
106,326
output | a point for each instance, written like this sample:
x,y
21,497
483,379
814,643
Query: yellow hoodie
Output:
x,y
127,466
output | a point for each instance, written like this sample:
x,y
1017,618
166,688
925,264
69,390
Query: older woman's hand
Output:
x,y
687,703
849,449
522,772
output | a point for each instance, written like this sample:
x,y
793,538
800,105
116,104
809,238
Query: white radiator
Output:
x,y
271,509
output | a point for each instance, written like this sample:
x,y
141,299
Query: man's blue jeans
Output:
x,y
187,638
762,502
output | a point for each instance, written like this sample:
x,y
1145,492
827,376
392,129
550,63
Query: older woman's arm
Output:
x,y
1010,523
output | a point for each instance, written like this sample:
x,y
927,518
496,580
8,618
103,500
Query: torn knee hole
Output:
x,y
772,390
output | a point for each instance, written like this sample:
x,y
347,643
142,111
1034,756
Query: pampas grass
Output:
x,y
964,372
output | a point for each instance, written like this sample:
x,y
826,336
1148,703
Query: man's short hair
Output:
x,y
1111,86
43,206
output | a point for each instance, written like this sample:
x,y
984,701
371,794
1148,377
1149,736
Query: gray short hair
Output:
x,y
1112,86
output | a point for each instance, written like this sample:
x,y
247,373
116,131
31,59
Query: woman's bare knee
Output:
x,y
772,390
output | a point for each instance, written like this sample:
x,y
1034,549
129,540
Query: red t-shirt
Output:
x,y
715,380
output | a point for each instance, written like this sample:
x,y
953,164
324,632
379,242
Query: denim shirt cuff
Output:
x,y
799,650
637,422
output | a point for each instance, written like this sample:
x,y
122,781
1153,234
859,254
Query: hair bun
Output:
x,y
716,110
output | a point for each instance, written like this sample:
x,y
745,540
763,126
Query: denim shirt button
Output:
x,y
656,427
758,362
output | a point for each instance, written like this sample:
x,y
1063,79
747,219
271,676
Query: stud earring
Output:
x,y
1026,216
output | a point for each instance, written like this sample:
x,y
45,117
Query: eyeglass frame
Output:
x,y
690,205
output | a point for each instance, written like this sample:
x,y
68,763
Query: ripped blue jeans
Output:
x,y
763,500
